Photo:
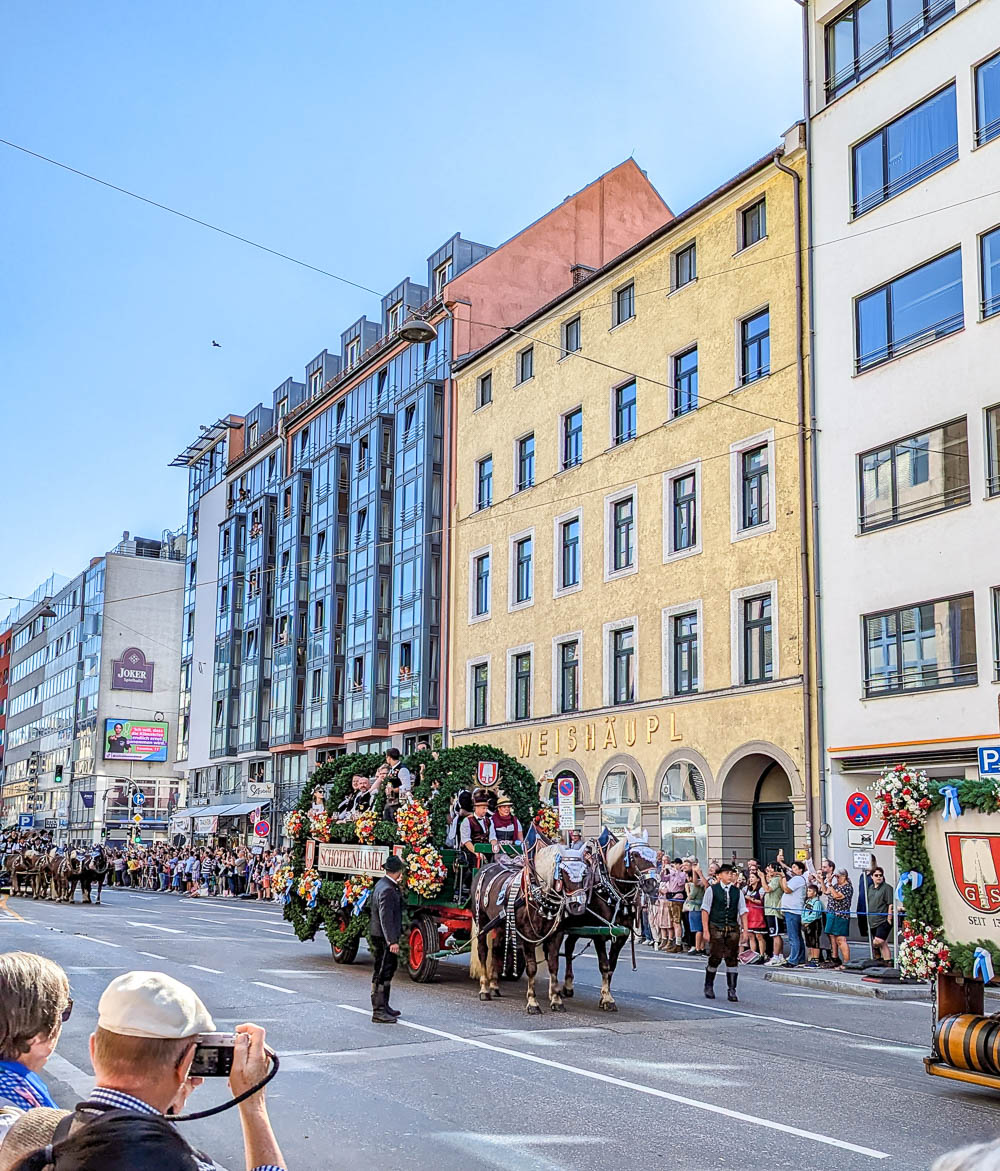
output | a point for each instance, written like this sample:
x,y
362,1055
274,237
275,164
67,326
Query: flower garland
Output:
x,y
294,823
905,797
413,823
547,821
356,886
319,826
427,871
923,951
308,888
282,882
364,826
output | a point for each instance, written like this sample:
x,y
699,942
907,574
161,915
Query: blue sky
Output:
x,y
358,137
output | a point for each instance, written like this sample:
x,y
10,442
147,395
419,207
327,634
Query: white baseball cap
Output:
x,y
152,1004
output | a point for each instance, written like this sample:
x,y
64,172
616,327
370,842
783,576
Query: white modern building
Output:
x,y
904,146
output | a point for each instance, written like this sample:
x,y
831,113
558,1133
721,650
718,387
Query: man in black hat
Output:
x,y
386,926
724,925
477,829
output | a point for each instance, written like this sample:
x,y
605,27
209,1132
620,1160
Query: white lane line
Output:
x,y
277,930
277,988
154,927
94,939
152,955
653,1091
778,1020
199,968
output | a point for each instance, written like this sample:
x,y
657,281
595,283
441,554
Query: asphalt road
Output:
x,y
787,1078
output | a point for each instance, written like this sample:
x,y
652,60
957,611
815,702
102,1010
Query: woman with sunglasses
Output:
x,y
34,1005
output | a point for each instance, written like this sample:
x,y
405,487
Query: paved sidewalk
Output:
x,y
854,984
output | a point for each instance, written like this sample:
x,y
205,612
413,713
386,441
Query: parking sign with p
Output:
x,y
989,762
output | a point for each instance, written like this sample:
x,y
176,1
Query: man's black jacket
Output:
x,y
387,910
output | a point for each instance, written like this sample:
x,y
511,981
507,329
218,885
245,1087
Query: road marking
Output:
x,y
96,968
199,968
9,910
94,939
154,927
152,955
652,1091
778,1020
277,930
77,1079
275,987
300,975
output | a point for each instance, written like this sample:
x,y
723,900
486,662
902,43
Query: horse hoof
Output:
x,y
557,1006
534,1010
567,994
495,993
484,996
610,1006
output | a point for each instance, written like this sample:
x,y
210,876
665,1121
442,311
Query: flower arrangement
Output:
x,y
364,826
413,823
426,871
294,823
319,826
283,876
355,887
308,888
547,821
904,795
923,951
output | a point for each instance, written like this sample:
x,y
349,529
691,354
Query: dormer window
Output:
x,y
282,407
353,351
316,382
395,316
442,275
252,433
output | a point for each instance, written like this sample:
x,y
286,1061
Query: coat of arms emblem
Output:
x,y
975,869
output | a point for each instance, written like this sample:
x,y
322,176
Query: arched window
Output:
x,y
683,813
620,808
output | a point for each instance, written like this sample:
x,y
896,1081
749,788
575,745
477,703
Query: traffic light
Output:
x,y
58,774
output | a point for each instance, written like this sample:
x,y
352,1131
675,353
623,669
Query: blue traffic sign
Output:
x,y
25,820
859,809
566,786
989,762
138,798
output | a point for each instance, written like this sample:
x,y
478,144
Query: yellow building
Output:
x,y
630,531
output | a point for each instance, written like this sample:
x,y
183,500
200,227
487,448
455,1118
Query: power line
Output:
x,y
190,218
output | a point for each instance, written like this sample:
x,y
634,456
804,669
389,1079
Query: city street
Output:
x,y
786,1078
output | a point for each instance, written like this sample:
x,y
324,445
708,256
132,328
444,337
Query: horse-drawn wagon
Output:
x,y
505,908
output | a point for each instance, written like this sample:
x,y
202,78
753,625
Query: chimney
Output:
x,y
580,272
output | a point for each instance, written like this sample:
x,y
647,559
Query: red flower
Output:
x,y
925,803
906,792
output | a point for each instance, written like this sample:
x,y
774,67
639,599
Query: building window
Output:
x,y
523,573
906,151
623,305
624,412
316,686
253,432
522,686
623,535
753,223
569,553
482,580
755,347
993,451
484,389
569,676
989,261
916,308
353,351
442,275
484,482
480,695
929,645
405,661
685,265
394,318
684,512
684,813
684,636
525,462
684,393
572,438
757,661
525,364
623,665
282,407
872,32
620,807
995,593
571,336
754,487
988,100
915,476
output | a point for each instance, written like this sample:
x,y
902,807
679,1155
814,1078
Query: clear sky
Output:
x,y
358,137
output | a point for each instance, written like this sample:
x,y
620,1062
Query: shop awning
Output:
x,y
238,810
244,808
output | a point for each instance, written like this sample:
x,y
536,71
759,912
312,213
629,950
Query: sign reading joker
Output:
x,y
965,859
132,672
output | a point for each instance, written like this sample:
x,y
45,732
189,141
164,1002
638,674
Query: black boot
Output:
x,y
393,1012
379,1014
731,978
709,984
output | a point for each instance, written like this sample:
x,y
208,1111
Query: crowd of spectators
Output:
x,y
197,871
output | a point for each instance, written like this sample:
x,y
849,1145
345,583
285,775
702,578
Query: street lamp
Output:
x,y
417,329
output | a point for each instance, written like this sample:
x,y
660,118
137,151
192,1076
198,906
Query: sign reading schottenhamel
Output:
x,y
132,672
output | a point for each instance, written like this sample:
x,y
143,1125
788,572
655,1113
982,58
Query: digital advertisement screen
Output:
x,y
135,740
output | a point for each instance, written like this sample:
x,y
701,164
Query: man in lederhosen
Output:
x,y
477,829
724,925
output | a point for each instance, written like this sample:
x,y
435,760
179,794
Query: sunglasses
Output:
x,y
67,1012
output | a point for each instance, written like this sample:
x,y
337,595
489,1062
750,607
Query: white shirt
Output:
x,y
706,905
405,779
794,899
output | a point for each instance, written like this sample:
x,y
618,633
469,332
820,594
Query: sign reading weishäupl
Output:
x,y
132,672
135,740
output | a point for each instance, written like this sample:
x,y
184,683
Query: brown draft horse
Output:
x,y
625,868
521,908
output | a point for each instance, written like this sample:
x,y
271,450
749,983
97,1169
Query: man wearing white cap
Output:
x,y
147,1027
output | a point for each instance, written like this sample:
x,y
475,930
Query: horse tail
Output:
x,y
475,967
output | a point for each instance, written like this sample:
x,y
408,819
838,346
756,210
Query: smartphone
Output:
x,y
213,1055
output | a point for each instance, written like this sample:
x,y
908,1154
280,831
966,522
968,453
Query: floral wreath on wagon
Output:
x,y
906,797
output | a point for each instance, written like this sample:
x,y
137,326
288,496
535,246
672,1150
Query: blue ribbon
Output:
x,y
982,965
951,805
557,870
361,901
912,878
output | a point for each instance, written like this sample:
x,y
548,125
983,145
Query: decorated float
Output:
x,y
335,864
947,836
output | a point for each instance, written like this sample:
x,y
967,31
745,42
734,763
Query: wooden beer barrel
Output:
x,y
969,1042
